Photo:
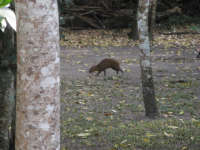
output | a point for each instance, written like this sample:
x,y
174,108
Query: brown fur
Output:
x,y
105,64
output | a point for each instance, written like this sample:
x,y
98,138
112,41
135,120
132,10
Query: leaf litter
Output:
x,y
108,112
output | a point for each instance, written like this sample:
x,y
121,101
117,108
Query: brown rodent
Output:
x,y
105,64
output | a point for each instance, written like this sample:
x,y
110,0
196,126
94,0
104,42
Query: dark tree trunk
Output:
x,y
151,109
7,88
134,28
152,18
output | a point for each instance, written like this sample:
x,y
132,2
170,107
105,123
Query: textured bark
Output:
x,y
152,18
153,12
7,93
7,88
38,77
145,61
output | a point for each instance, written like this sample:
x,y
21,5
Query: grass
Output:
x,y
102,114
179,99
166,134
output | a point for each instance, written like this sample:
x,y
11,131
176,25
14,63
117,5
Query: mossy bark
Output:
x,y
151,109
7,88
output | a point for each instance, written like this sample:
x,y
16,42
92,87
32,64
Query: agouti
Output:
x,y
105,64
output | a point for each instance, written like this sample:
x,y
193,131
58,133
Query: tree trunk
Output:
x,y
152,18
38,80
7,100
7,88
145,61
134,28
153,12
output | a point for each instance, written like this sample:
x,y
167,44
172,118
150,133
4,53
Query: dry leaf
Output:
x,y
168,134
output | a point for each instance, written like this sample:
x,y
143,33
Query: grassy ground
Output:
x,y
107,113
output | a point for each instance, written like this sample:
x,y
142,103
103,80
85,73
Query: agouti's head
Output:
x,y
92,69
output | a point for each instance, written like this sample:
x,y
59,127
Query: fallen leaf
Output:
x,y
181,112
89,118
168,134
173,127
107,114
150,134
83,135
184,148
146,140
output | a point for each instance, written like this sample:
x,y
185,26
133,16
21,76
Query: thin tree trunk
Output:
x,y
7,93
151,109
7,87
152,18
38,80
134,30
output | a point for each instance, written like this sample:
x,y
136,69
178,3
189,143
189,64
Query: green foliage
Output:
x,y
181,20
195,28
4,2
7,15
1,18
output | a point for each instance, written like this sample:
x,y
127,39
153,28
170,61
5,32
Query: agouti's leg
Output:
x,y
117,71
104,72
98,73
